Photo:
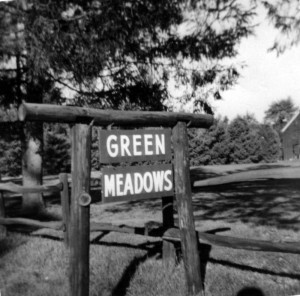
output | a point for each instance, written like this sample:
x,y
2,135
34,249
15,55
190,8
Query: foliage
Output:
x,y
243,140
10,150
243,137
285,15
57,150
209,146
95,150
280,112
270,143
114,52
56,156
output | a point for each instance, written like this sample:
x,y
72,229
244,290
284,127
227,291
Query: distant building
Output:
x,y
290,136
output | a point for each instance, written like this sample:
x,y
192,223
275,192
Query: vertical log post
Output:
x,y
65,205
189,242
169,250
80,210
32,166
3,230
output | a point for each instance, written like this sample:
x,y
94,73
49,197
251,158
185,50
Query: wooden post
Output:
x,y
3,230
65,205
189,241
80,210
169,250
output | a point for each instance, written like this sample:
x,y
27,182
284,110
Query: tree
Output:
x,y
19,82
244,140
269,143
111,52
279,113
10,150
209,146
57,154
285,15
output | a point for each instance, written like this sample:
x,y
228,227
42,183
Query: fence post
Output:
x,y
3,230
189,241
65,205
169,250
80,210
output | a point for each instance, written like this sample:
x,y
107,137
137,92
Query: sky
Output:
x,y
266,78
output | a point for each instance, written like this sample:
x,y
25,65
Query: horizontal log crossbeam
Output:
x,y
72,114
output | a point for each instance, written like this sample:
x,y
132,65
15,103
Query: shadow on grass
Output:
x,y
150,204
9,244
267,202
153,250
250,291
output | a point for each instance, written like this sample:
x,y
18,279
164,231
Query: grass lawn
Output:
x,y
124,264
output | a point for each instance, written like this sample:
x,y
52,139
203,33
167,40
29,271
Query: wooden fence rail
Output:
x,y
173,234
254,175
11,187
30,222
61,187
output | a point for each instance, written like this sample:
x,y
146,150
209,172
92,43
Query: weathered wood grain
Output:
x,y
30,222
65,205
11,187
80,215
70,114
253,175
46,232
189,241
173,234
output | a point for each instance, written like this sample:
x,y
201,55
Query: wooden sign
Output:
x,y
135,145
139,182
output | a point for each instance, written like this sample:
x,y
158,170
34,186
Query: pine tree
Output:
x,y
57,154
270,143
210,146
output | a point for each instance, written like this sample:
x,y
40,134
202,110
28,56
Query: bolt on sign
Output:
x,y
136,182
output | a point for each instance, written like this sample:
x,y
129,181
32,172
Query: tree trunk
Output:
x,y
32,145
